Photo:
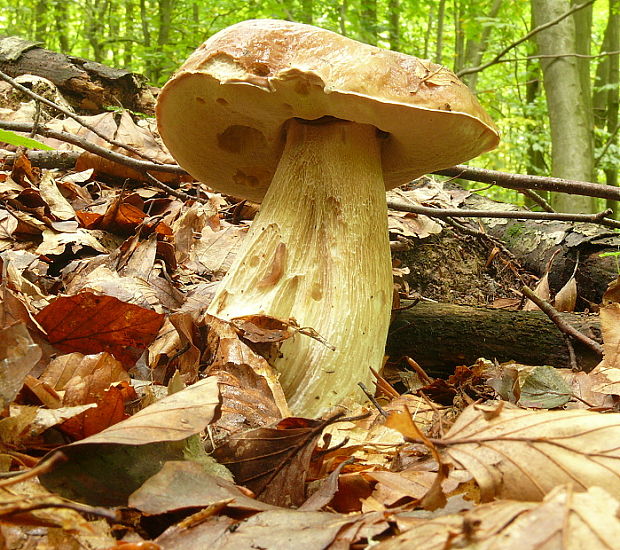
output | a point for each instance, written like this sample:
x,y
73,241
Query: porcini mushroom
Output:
x,y
317,127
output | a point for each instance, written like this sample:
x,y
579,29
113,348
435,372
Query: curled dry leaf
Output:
x,y
566,298
522,454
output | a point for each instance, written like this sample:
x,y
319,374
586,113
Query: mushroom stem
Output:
x,y
318,252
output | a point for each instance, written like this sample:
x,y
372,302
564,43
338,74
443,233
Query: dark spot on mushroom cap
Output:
x,y
201,100
245,180
241,139
221,101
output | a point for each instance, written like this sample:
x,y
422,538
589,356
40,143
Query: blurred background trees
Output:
x,y
554,96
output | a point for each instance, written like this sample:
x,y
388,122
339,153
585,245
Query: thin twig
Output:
x,y
43,467
372,399
525,38
167,189
553,314
599,218
526,181
136,164
536,198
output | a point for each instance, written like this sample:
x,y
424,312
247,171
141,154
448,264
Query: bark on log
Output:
x,y
442,336
535,242
88,86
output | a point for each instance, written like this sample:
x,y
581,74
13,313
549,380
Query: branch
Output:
x,y
600,218
136,164
524,181
529,35
557,56
567,329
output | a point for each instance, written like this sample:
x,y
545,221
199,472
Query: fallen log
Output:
x,y
88,86
442,336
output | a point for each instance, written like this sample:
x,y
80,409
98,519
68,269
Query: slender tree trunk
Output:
x,y
306,11
40,20
476,46
429,30
368,21
459,37
441,17
61,16
394,24
605,100
536,164
342,17
128,45
571,138
146,38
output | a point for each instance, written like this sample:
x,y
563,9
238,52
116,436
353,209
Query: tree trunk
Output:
x,y
342,17
459,37
394,24
605,101
477,46
368,21
60,14
442,336
441,18
567,101
306,11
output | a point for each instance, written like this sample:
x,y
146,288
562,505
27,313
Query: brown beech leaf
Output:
x,y
273,462
565,519
110,409
251,394
274,529
90,324
186,484
524,454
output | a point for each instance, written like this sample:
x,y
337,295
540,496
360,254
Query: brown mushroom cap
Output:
x,y
223,113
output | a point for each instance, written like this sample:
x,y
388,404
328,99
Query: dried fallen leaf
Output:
x,y
275,529
566,298
180,485
524,454
565,519
273,462
90,324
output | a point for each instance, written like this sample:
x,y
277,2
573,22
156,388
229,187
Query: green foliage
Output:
x,y
154,37
12,138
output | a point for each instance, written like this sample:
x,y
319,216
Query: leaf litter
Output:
x,y
131,404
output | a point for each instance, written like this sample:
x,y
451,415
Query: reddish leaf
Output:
x,y
91,324
110,410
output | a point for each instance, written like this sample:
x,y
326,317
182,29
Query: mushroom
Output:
x,y
317,127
